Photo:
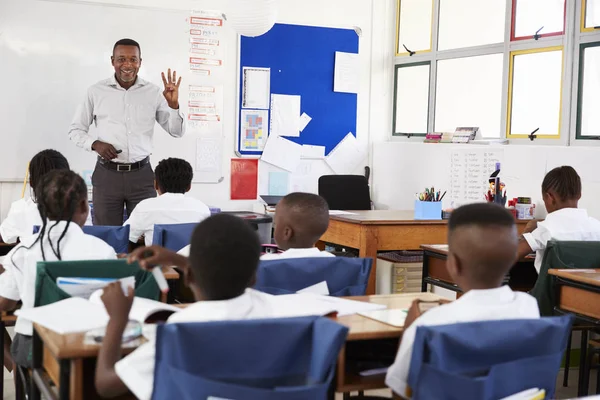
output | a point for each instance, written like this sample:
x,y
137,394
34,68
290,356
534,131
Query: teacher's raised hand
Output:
x,y
171,91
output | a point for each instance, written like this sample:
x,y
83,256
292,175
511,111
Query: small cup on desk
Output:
x,y
428,210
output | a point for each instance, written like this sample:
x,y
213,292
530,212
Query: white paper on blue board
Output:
x,y
313,152
256,87
346,77
304,120
347,155
282,153
285,115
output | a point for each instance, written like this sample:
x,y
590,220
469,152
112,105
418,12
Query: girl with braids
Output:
x,y
63,207
23,214
561,191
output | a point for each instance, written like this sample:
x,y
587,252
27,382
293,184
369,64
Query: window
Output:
x,y
414,26
541,17
590,15
588,117
412,98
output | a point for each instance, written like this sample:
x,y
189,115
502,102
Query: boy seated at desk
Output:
x,y
220,280
482,244
173,178
561,191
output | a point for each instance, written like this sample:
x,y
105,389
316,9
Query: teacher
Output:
x,y
121,111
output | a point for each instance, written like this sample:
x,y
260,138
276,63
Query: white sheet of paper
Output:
x,y
285,115
313,152
282,153
320,288
209,159
340,212
394,317
347,73
304,120
347,155
344,306
256,87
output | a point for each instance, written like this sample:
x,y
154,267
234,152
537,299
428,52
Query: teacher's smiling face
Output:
x,y
127,61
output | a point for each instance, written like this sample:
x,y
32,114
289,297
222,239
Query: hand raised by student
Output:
x,y
116,303
150,257
171,91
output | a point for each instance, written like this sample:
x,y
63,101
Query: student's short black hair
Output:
x,y
482,215
173,175
224,256
44,162
127,42
309,213
564,181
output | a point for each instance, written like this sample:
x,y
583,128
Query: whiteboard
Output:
x,y
51,52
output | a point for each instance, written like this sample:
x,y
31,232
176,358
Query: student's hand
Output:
x,y
116,303
104,150
171,91
150,257
414,312
531,226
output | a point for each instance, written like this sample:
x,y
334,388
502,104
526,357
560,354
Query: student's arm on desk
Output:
x,y
151,256
108,384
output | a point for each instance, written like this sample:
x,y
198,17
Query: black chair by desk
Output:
x,y
345,192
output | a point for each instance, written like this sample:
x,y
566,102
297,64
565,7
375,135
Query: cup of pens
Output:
x,y
428,204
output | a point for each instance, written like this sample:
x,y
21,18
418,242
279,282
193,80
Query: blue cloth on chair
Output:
x,y
344,276
173,236
229,359
116,236
488,359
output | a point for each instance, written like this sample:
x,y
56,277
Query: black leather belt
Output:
x,y
122,167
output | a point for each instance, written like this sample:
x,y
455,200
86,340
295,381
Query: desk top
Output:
x,y
170,273
589,276
436,248
71,345
390,217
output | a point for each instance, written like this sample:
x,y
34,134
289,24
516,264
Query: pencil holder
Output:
x,y
428,209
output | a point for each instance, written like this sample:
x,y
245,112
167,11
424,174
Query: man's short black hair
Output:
x,y
309,214
173,175
482,215
224,256
127,42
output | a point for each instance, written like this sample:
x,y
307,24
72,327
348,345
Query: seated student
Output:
x,y
218,276
173,178
300,221
62,203
561,191
482,240
23,214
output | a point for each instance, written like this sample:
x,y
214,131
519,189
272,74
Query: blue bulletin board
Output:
x,y
302,62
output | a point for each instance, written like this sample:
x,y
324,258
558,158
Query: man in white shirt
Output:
x,y
300,221
123,110
482,241
173,178
561,191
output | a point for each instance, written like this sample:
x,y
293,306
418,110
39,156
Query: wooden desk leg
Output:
x,y
369,241
583,377
425,272
64,380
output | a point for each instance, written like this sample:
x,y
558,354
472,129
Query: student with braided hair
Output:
x,y
23,214
172,179
561,191
63,207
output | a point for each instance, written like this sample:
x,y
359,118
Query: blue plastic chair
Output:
x,y
487,360
229,359
344,276
116,236
173,236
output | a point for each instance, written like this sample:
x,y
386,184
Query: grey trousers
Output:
x,y
113,190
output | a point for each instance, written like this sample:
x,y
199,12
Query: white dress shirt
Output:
x,y
18,280
18,224
475,305
312,252
124,118
169,208
565,224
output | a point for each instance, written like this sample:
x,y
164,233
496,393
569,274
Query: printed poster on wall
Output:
x,y
244,179
255,130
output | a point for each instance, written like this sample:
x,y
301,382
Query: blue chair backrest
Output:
x,y
488,359
228,359
344,276
173,236
116,236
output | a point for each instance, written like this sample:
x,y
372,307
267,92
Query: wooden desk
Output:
x,y
385,230
70,364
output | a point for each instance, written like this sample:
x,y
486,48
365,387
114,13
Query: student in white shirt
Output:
x,y
222,266
173,178
561,191
482,240
300,221
23,214
62,200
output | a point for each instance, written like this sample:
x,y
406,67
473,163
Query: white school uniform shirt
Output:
x,y
137,369
22,217
565,224
169,208
18,280
475,305
312,252
124,118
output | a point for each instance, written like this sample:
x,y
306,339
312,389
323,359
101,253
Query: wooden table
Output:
x,y
70,364
385,230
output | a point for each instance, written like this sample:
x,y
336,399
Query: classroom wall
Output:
x,y
374,101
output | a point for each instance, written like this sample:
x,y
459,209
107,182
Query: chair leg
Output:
x,y
598,378
582,384
567,362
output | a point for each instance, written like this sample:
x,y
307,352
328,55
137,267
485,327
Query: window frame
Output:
x,y
397,39
395,102
513,25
